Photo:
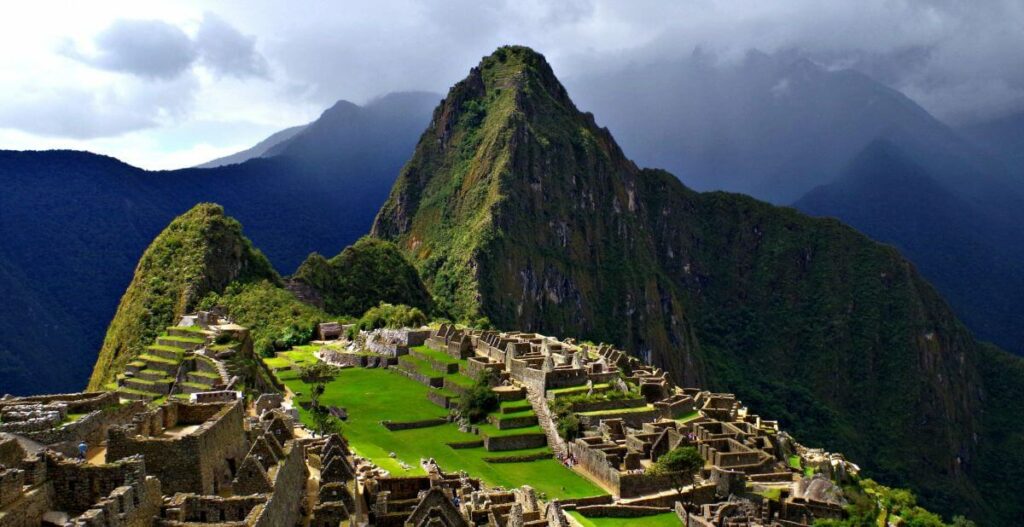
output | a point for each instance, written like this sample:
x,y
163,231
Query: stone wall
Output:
x,y
620,511
31,506
633,419
514,442
284,505
91,428
205,509
132,505
11,482
78,486
476,365
77,403
409,425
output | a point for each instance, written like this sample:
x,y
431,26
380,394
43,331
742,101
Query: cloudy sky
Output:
x,y
171,84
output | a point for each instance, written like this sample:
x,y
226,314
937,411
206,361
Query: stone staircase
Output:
x,y
154,373
544,419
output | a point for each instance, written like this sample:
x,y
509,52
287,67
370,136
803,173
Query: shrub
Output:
x,y
389,316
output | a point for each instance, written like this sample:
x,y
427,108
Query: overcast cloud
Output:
x,y
137,74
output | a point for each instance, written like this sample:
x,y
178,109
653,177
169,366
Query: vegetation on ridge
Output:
x,y
201,251
364,274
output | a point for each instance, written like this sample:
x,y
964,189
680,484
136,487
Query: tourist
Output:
x,y
83,447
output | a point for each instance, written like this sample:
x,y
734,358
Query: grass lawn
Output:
x,y
794,462
371,394
688,417
439,356
666,519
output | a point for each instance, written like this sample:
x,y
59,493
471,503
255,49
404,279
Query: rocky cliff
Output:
x,y
519,209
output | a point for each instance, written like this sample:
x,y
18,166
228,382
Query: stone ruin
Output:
x,y
453,500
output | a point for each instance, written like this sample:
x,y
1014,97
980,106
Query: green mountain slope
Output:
x,y
518,208
200,252
364,274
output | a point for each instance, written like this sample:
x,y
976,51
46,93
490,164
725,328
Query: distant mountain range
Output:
x,y
972,253
771,126
73,224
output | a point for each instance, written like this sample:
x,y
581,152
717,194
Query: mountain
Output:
x,y
771,126
971,255
200,252
347,133
257,150
1002,137
366,273
518,210
74,224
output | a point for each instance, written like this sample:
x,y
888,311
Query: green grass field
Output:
x,y
371,395
667,519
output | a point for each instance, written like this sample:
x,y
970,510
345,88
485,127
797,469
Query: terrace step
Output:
x,y
160,386
186,331
135,366
183,343
201,377
137,395
150,375
160,363
165,352
192,387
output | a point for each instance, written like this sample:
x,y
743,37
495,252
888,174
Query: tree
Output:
x,y
679,465
317,375
479,399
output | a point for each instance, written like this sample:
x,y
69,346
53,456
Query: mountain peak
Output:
x,y
201,251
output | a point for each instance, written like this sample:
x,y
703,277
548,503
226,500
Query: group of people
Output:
x,y
568,460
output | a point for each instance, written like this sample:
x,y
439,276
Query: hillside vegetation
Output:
x,y
364,274
200,252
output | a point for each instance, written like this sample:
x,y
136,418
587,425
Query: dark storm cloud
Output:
x,y
954,57
227,51
147,48
154,49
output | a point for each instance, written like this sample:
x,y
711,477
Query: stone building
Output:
x,y
190,447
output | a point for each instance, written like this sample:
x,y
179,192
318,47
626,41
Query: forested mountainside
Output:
x,y
74,224
520,211
363,274
970,253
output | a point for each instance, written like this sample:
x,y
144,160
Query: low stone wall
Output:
x,y
597,406
603,499
518,459
440,399
439,365
514,422
77,403
91,428
426,380
409,425
514,442
466,444
620,511
452,386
